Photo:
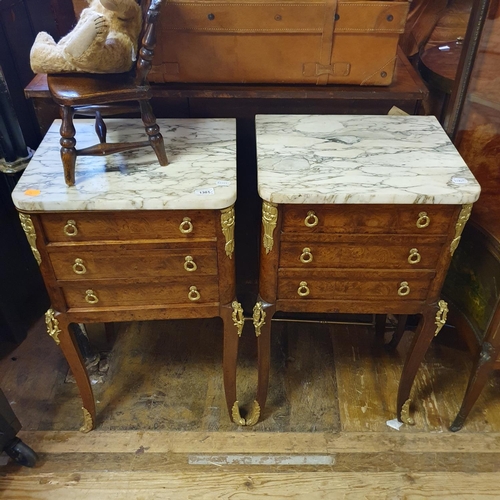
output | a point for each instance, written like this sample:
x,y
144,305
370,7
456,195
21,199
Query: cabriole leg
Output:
x,y
58,329
429,325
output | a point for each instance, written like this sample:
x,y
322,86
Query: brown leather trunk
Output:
x,y
257,41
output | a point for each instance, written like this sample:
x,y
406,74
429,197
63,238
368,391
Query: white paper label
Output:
x,y
394,424
459,180
205,192
223,183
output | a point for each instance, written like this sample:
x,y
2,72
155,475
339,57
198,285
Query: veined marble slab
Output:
x,y
360,159
201,173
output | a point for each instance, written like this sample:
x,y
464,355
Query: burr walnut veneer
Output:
x,y
360,214
134,240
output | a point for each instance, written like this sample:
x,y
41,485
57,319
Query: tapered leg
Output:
x,y
398,333
232,317
482,368
58,329
423,337
109,331
262,316
68,143
380,324
153,131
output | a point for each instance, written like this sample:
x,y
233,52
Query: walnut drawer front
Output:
x,y
177,291
85,262
97,226
377,219
367,251
354,285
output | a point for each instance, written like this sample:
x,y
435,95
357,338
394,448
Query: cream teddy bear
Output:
x,y
103,41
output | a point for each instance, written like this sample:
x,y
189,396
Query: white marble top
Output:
x,y
201,173
360,159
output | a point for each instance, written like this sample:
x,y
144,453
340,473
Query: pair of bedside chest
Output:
x,y
361,214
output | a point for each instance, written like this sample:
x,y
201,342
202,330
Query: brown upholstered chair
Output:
x,y
98,94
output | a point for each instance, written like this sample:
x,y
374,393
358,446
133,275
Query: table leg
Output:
x,y
482,368
398,333
380,320
58,328
429,325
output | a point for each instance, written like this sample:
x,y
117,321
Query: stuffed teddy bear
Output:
x,y
103,41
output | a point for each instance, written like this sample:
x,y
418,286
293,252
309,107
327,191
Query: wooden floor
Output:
x,y
163,431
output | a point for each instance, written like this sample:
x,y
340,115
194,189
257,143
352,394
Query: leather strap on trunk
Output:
x,y
327,38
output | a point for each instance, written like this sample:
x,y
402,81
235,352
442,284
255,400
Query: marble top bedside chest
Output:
x,y
134,240
360,214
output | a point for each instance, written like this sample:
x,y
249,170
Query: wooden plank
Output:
x,y
260,442
247,485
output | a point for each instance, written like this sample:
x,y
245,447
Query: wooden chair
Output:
x,y
98,94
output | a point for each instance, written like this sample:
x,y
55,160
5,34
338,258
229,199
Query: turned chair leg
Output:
x,y
68,143
153,131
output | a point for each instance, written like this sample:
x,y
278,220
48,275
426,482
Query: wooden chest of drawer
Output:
x,y
359,215
136,241
359,252
134,259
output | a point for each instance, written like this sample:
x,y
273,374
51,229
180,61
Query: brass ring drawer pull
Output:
x,y
79,267
190,264
414,257
91,297
70,228
303,289
423,220
306,256
193,294
186,226
404,289
311,219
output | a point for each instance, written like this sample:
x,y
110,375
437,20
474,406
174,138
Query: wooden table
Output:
x,y
438,67
359,215
134,240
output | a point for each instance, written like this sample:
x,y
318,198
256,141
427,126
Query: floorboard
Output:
x,y
163,431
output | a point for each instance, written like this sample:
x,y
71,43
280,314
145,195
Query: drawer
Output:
x,y
376,219
176,291
367,251
175,224
354,285
85,262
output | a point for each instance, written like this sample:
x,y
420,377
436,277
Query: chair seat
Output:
x,y
84,89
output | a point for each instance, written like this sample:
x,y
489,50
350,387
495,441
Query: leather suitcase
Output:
x,y
286,41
